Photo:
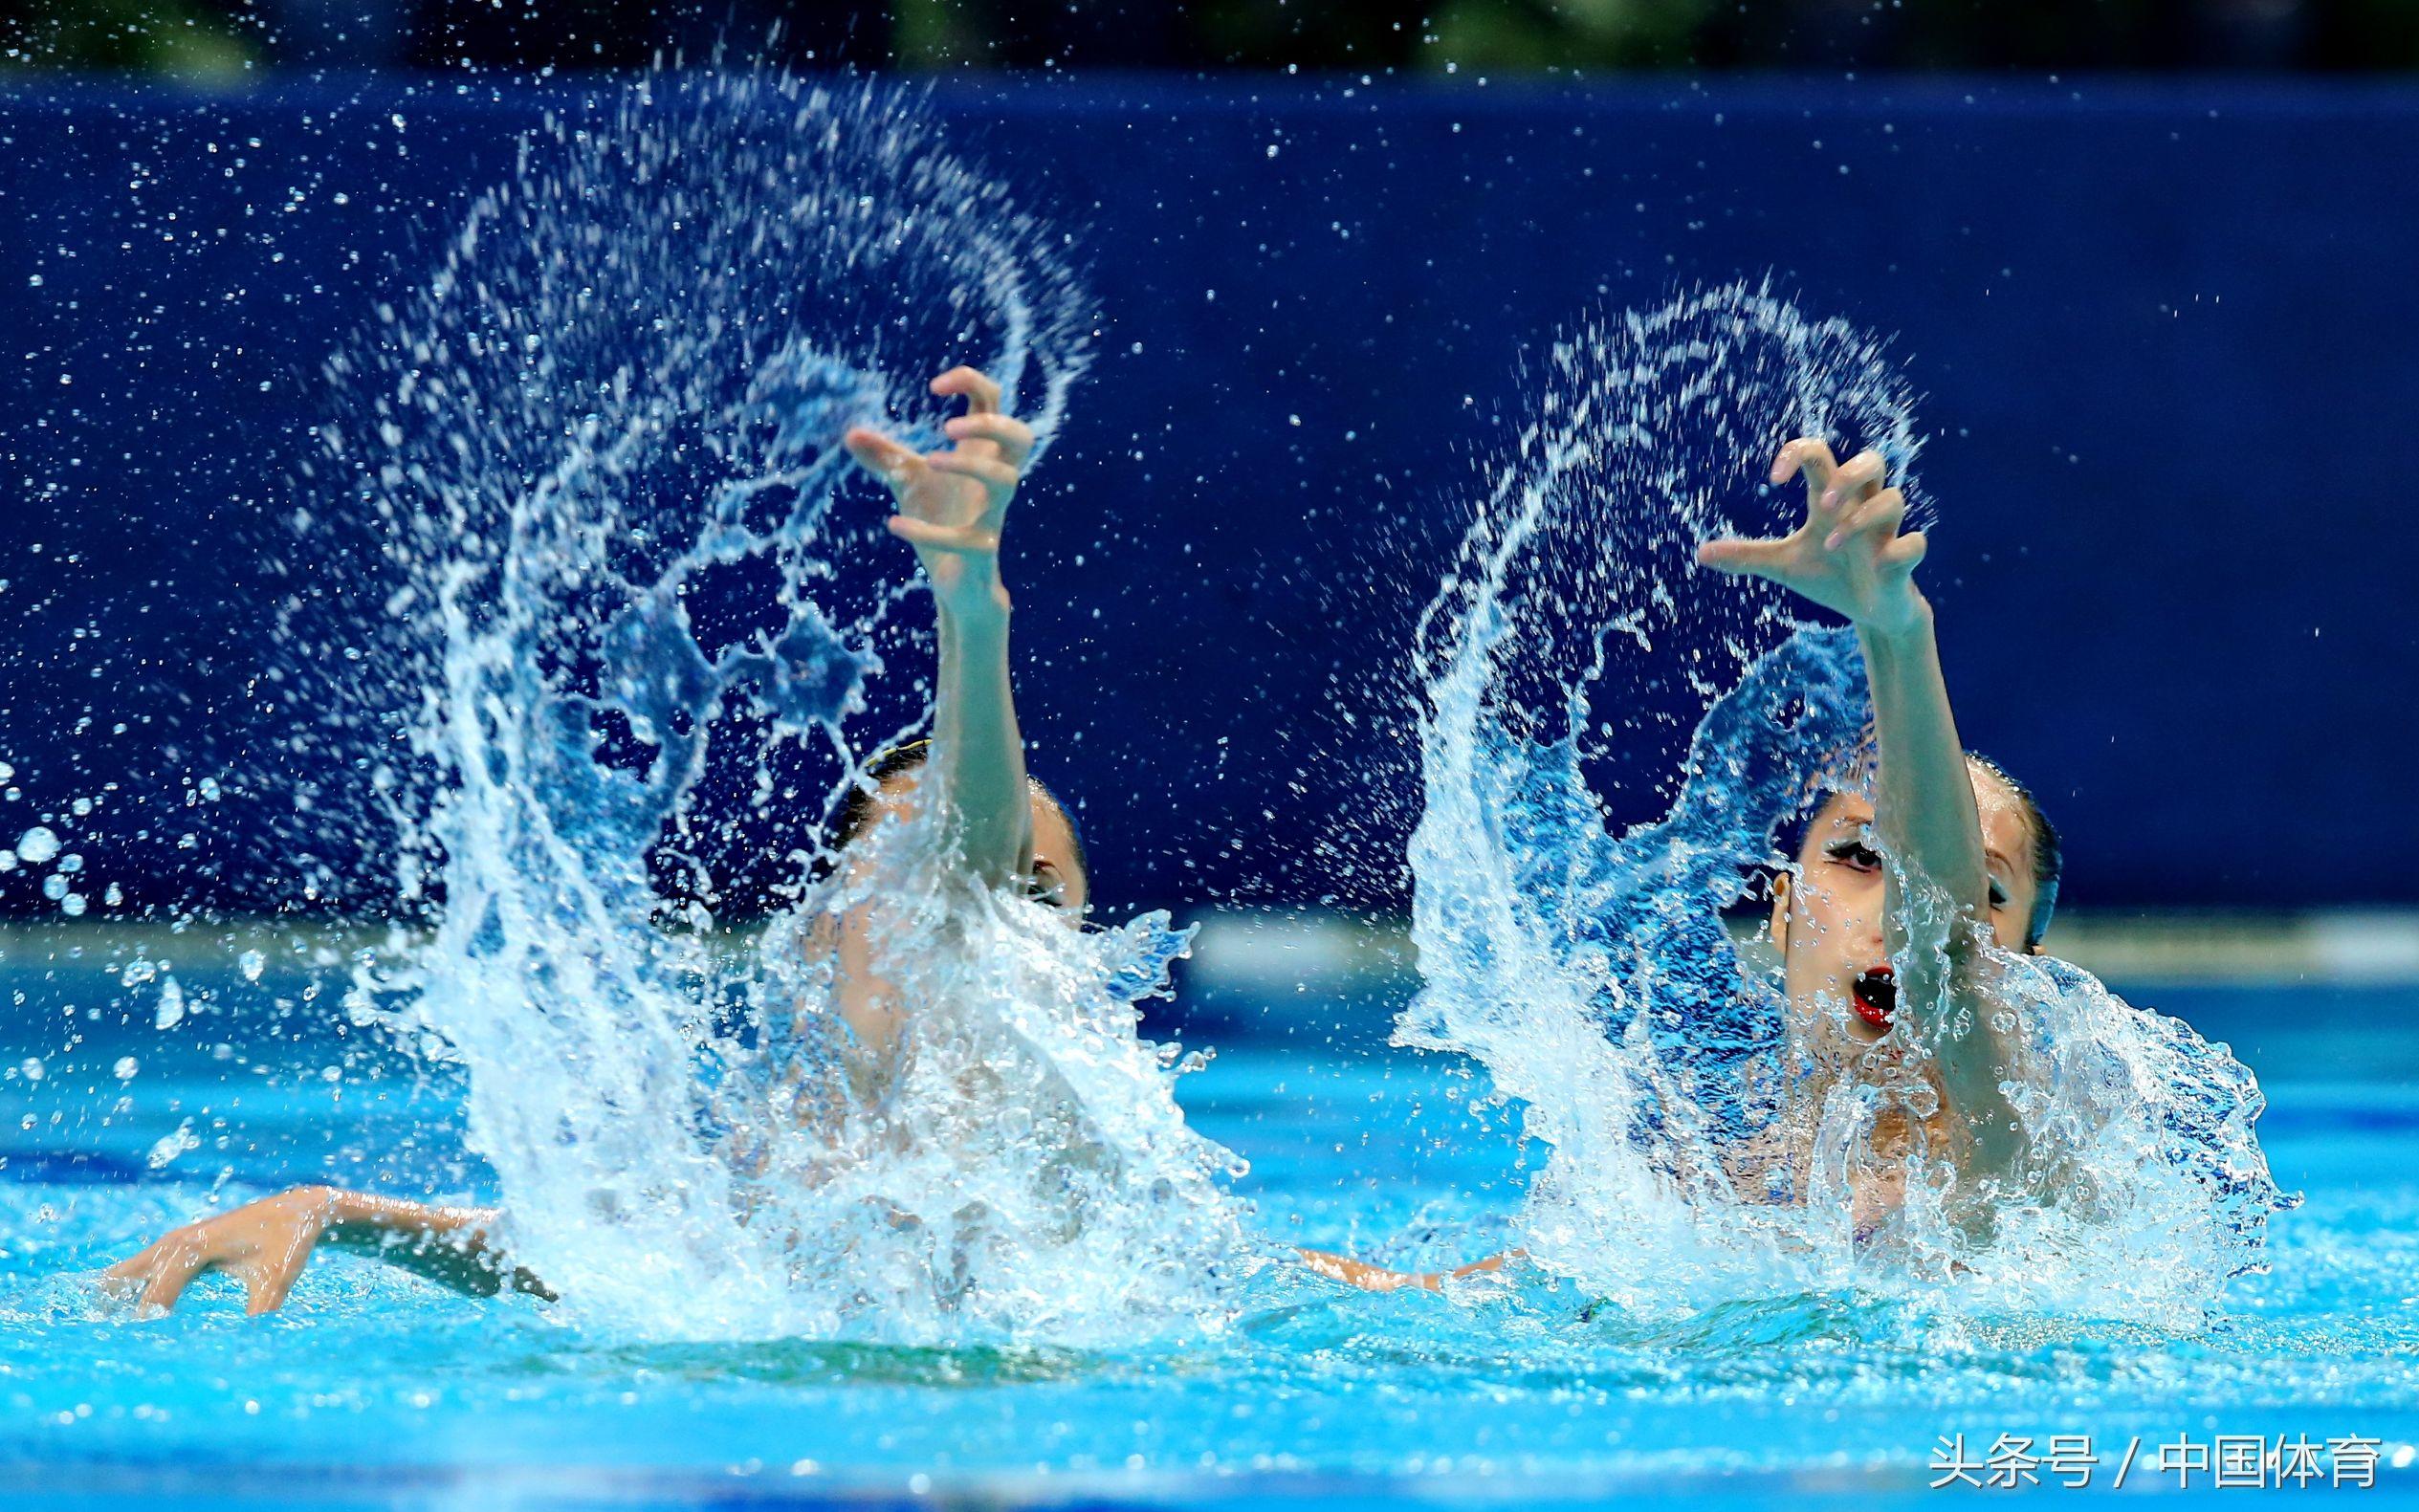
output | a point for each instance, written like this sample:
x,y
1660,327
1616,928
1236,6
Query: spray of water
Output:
x,y
620,399
1698,1148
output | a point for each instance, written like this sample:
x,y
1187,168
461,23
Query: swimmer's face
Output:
x,y
1827,918
1054,875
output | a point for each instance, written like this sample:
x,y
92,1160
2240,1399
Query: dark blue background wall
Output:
x,y
2165,332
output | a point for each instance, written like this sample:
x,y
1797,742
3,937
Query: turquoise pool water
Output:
x,y
373,1388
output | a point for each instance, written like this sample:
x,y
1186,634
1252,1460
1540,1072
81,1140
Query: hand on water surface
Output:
x,y
263,1244
1848,556
951,502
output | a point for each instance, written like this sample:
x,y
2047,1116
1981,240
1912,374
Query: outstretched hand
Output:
x,y
1848,556
264,1244
951,502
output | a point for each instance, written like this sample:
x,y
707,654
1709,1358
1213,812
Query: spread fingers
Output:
x,y
1810,457
881,456
981,393
1857,478
990,471
174,1272
1739,556
1012,436
1878,516
1907,551
265,1287
135,1266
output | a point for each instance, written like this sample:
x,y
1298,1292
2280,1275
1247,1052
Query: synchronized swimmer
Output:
x,y
1004,829
1935,820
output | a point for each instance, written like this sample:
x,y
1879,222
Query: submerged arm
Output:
x,y
1377,1278
445,1244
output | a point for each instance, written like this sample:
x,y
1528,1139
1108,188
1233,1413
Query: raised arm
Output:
x,y
1849,558
951,505
265,1244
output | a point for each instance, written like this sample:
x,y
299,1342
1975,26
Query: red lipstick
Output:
x,y
1876,994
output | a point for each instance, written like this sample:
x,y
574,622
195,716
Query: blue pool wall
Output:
x,y
2164,332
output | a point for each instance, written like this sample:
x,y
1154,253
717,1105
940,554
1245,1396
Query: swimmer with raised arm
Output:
x,y
1006,829
1982,859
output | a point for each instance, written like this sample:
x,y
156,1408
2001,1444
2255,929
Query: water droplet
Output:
x,y
174,1145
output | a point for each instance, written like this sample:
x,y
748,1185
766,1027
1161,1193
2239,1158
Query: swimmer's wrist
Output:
x,y
1907,622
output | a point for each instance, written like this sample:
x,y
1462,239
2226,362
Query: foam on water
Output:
x,y
619,397
1698,1151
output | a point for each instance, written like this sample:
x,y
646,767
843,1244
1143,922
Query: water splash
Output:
x,y
1696,1150
613,416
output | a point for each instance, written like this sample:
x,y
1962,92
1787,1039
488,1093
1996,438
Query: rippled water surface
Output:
x,y
375,1385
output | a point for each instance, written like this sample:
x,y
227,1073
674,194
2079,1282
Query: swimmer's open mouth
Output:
x,y
1876,996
